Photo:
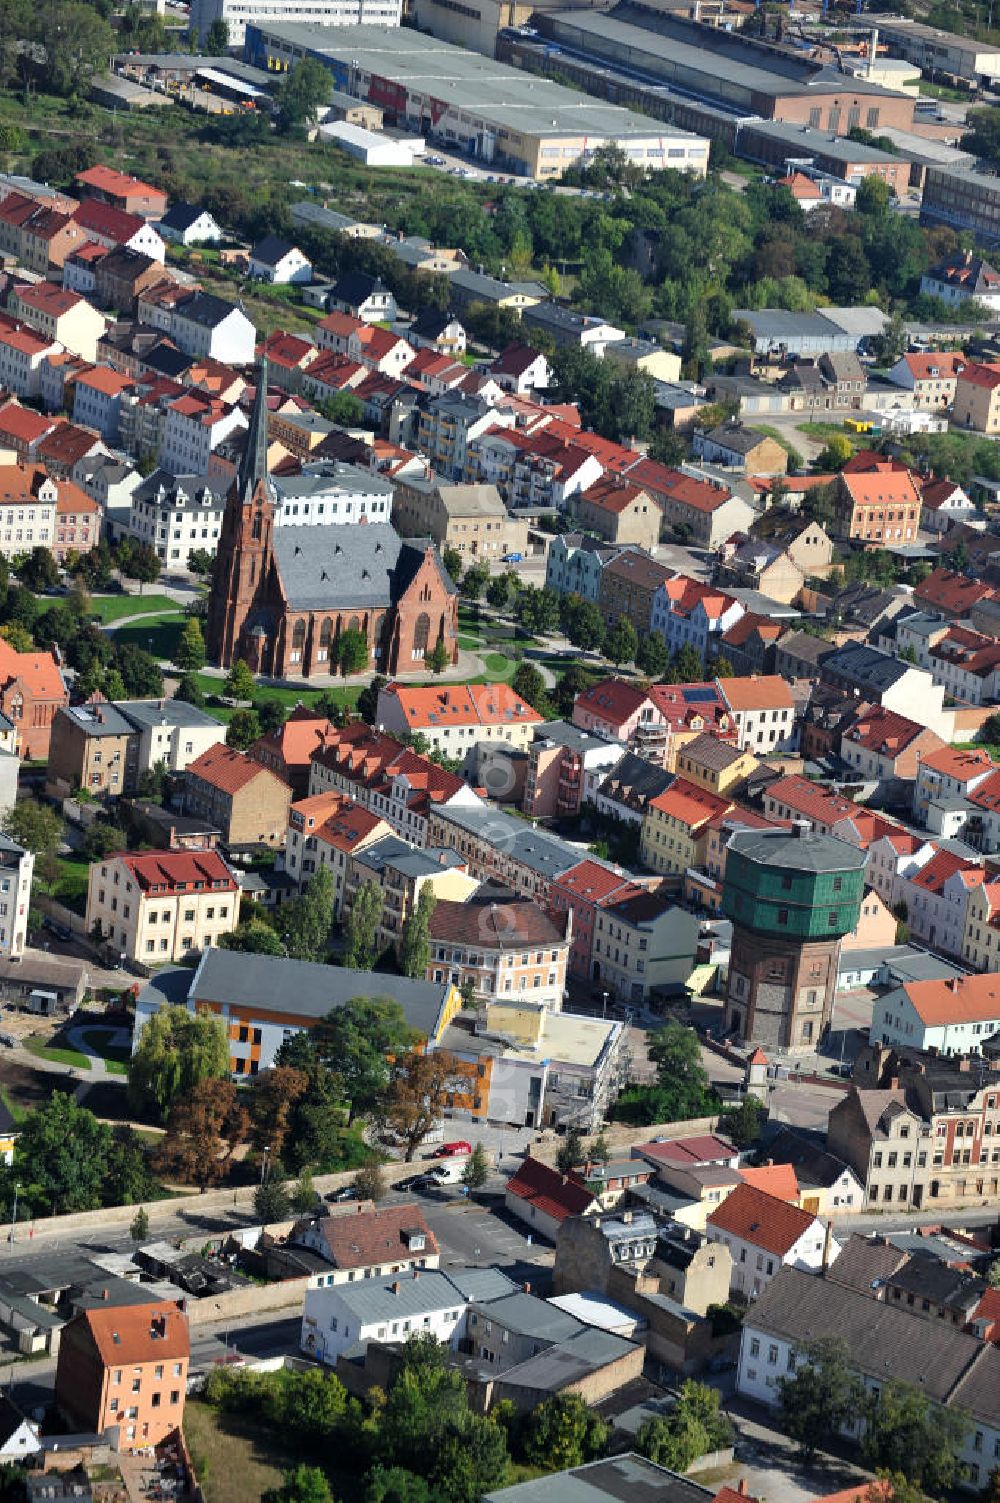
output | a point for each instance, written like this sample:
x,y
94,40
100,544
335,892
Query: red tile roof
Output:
x,y
613,699
706,1148
553,1194
952,594
758,692
226,769
38,671
883,732
689,804
176,871
763,1220
127,1335
107,180
798,794
986,376
514,360
959,999
611,494
104,219
774,1179
944,365
496,926
303,733
461,704
699,495
377,1236
960,764
933,876
592,880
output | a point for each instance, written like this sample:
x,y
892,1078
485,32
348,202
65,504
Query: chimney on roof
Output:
x,y
953,983
894,1082
827,1246
395,1286
105,1294
416,1274
741,1487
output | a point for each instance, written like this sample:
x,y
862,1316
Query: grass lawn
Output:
x,y
498,666
158,634
343,694
41,1050
779,438
833,430
70,886
115,607
238,1460
471,644
97,1039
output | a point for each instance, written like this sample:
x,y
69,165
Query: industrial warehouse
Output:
x,y
498,114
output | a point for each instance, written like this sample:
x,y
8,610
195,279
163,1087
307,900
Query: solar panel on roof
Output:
x,y
697,696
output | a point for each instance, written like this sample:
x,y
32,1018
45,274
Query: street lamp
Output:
x,y
13,1219
263,1162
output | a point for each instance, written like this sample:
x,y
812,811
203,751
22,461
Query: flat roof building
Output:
x,y
939,54
467,101
964,200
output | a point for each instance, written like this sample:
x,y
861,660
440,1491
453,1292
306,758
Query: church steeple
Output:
x,y
253,465
244,550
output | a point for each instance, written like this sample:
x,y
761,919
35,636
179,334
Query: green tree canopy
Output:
x,y
415,949
822,1396
176,1051
356,1041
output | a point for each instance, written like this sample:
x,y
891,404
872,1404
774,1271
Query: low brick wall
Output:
x,y
255,1299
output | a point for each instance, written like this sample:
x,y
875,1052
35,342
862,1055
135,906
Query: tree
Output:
x,y
687,665
417,1095
18,636
60,1159
240,682
890,345
201,561
368,698
477,1170
600,1149
190,652
351,649
273,1097
415,949
139,1229
271,1201
585,626
74,41
989,731
836,453
355,1040
177,1050
396,1485
695,1426
905,1431
653,656
622,642
475,580
140,672
243,729
500,590
570,1151
253,937
529,684
303,1197
308,920
743,1124
204,1130
304,1484
102,838
676,1053
39,571
873,197
993,1274
362,927
140,562
370,1181
300,93
35,826
217,39
189,692
822,1396
563,1432
452,560
438,659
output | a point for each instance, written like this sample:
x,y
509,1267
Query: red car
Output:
x,y
452,1150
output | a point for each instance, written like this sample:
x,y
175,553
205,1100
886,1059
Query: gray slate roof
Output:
x,y
625,1479
176,712
808,852
884,1342
408,1294
307,989
541,852
363,565
865,666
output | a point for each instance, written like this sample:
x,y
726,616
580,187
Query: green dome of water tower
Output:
x,y
792,896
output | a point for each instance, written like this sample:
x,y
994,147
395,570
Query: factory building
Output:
x,y
721,68
466,102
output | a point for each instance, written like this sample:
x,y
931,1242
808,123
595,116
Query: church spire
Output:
x,y
253,465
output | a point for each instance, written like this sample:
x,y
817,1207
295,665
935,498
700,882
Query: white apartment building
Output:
x,y
764,712
937,897
176,513
162,906
202,324
193,428
951,1016
170,734
238,14
27,511
892,860
16,867
948,773
419,1303
330,492
765,1234
22,360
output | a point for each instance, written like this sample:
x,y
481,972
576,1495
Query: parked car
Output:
x,y
8,1040
452,1150
512,558
415,1182
346,1192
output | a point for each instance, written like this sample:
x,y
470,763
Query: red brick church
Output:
x,y
281,596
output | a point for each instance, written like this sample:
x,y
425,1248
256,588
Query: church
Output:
x,y
281,596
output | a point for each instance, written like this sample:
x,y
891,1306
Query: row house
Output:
x,y
618,511
625,793
886,748
575,563
79,273
930,1140
327,374
401,874
328,830
500,948
947,1016
673,822
951,594
763,713
67,445
983,827
893,858
446,427
967,665
628,588
58,372
97,400
949,772
694,508
193,428
946,505
121,276
750,645
498,847
877,502
643,945
142,414
937,897
23,354
22,430
981,941
401,786
764,1234
581,892
114,228
200,323
795,797
565,768
931,378
687,613
456,719
60,316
